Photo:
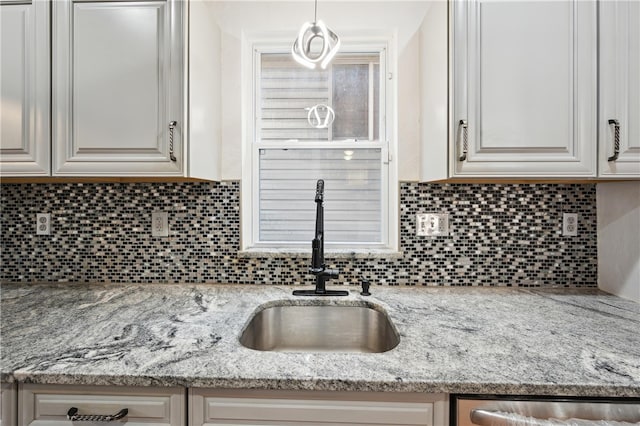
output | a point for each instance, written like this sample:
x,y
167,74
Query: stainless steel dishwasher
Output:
x,y
495,410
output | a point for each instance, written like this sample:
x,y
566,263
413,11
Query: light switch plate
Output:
x,y
432,224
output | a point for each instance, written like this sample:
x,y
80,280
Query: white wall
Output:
x,y
619,238
238,19
204,92
434,75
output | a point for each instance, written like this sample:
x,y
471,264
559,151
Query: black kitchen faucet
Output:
x,y
317,254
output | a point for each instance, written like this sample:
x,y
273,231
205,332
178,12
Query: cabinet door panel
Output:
x,y
620,87
525,84
118,84
524,89
24,89
108,67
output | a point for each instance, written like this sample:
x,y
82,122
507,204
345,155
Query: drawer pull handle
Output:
x,y
616,140
172,127
465,141
73,415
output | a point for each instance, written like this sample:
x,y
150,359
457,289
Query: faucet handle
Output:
x,y
332,273
319,190
365,288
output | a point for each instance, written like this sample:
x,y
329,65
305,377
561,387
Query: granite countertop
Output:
x,y
454,340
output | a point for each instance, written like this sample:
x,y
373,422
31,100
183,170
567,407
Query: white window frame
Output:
x,y
251,51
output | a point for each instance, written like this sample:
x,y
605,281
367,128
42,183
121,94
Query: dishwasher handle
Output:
x,y
482,417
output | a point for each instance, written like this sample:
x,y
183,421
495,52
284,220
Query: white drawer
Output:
x,y
48,405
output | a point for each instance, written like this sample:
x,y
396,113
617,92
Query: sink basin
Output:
x,y
325,328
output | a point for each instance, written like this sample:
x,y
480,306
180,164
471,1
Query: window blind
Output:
x,y
353,196
286,92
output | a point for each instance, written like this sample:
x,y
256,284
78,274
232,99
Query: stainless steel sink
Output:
x,y
326,328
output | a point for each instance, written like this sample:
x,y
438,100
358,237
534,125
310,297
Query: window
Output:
x,y
290,150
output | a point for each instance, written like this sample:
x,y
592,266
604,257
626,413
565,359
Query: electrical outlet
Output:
x,y
432,224
160,224
569,224
43,224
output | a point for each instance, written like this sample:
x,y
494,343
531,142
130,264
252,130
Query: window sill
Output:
x,y
275,253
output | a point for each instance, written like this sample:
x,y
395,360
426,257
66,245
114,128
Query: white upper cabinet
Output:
x,y
117,87
619,116
24,89
524,89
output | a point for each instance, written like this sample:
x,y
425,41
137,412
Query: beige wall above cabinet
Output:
x,y
619,89
24,89
524,89
119,79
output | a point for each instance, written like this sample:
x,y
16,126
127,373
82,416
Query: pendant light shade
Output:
x,y
315,32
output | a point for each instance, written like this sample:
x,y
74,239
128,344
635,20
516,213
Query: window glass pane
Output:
x,y
376,102
288,91
351,101
352,206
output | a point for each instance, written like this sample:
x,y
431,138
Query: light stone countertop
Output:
x,y
453,340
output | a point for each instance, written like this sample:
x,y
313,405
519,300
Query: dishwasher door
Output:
x,y
532,411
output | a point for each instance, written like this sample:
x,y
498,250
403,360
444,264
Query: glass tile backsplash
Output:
x,y
501,235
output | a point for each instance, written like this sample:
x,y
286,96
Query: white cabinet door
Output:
x,y
619,89
24,89
261,408
117,86
44,405
524,88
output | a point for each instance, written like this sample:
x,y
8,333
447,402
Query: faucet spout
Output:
x,y
318,267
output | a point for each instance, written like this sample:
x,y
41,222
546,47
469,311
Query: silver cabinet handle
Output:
x,y
616,140
73,415
172,126
465,142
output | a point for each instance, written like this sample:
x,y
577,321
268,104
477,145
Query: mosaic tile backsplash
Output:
x,y
501,235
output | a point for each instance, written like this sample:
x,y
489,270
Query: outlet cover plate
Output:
x,y
43,223
569,224
159,224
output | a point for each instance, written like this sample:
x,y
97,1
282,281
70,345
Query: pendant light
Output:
x,y
309,32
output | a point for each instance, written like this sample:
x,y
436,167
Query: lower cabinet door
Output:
x,y
49,405
285,408
8,396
